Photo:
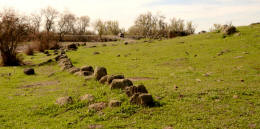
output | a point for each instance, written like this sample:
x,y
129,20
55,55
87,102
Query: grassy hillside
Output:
x,y
199,81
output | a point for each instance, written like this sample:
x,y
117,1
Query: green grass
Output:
x,y
206,104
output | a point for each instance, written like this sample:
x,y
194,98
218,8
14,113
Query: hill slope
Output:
x,y
200,81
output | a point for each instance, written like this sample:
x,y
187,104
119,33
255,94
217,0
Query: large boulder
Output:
x,y
100,72
29,71
143,99
130,91
64,100
87,68
120,83
97,106
72,46
112,77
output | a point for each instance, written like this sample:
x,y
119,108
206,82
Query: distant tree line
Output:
x,y
154,26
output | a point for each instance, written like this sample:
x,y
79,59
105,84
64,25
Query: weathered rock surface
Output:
x,y
120,83
114,103
143,99
97,106
64,100
130,91
87,97
112,77
100,72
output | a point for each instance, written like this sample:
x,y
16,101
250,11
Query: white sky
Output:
x,y
202,12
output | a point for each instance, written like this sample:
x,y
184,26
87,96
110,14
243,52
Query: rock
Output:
x,y
64,100
130,91
115,103
97,106
87,68
120,83
62,52
87,97
73,70
96,53
72,46
83,73
146,99
95,126
87,78
235,97
168,127
126,43
29,71
118,55
143,99
198,80
103,80
100,72
104,45
46,52
92,46
228,30
112,77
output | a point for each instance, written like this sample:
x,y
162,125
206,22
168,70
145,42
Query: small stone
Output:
x,y
64,100
242,80
235,96
88,97
87,78
97,106
115,103
126,43
198,80
95,126
142,99
96,53
118,55
29,71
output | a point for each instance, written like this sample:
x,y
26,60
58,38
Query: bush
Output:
x,y
12,30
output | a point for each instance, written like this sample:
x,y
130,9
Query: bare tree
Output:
x,y
36,19
61,27
190,28
100,27
12,30
112,27
70,21
82,24
50,14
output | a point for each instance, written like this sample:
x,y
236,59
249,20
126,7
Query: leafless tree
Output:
x,y
50,15
82,24
100,27
36,19
12,30
112,27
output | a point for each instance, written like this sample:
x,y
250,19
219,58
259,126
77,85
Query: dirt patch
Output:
x,y
40,84
134,79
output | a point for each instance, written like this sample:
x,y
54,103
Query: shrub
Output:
x,y
12,30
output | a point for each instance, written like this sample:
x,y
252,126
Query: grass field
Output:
x,y
194,83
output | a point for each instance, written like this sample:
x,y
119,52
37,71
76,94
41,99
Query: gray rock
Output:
x,y
114,103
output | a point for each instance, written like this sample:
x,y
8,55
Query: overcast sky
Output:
x,y
204,13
